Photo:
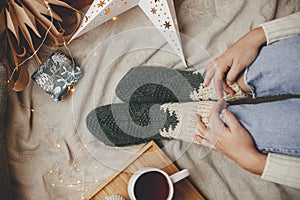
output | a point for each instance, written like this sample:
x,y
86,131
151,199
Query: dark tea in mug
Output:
x,y
151,185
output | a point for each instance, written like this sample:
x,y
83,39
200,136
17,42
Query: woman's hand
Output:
x,y
232,140
227,68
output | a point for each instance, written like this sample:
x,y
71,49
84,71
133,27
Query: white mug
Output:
x,y
153,183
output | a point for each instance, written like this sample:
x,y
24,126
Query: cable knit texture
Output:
x,y
282,28
277,167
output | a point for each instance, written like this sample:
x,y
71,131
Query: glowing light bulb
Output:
x,y
72,89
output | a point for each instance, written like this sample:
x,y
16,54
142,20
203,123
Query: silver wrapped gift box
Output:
x,y
57,75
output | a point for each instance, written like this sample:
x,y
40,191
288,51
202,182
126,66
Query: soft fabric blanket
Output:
x,y
52,155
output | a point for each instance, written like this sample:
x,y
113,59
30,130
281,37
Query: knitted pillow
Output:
x,y
4,173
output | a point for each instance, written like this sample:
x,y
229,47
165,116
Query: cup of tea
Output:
x,y
152,183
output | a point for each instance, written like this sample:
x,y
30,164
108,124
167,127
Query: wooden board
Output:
x,y
149,156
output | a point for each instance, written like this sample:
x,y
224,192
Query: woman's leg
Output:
x,y
276,70
274,126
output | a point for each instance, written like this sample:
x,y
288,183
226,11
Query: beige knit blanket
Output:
x,y
52,155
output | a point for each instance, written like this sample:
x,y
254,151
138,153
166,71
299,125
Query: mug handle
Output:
x,y
180,175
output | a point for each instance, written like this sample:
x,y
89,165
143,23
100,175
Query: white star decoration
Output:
x,y
160,12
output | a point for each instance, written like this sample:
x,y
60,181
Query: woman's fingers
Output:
x,y
215,120
234,73
199,138
208,136
204,142
227,88
218,83
202,128
230,119
215,124
209,74
203,136
217,71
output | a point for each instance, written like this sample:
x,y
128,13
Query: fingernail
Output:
x,y
198,138
223,111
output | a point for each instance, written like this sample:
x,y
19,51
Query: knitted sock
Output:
x,y
127,124
186,126
163,85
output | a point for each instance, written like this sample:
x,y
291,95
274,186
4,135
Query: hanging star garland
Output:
x,y
160,12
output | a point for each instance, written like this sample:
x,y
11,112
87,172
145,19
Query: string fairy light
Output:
x,y
46,34
69,178
43,41
73,177
71,182
41,44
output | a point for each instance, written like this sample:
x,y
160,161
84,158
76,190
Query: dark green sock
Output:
x,y
158,85
128,124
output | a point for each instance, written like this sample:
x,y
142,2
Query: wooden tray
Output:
x,y
149,156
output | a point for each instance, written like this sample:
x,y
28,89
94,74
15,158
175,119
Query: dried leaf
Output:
x,y
39,7
24,20
42,19
52,37
61,3
22,81
32,19
14,20
21,19
24,24
17,50
2,22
